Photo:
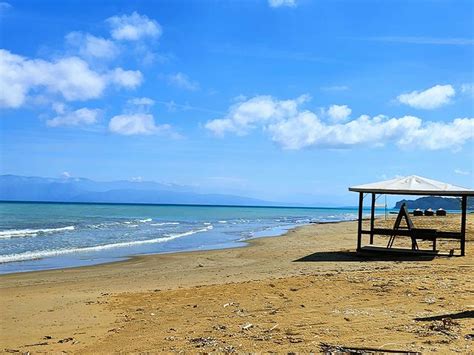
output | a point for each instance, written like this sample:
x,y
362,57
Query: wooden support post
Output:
x,y
372,219
359,229
463,224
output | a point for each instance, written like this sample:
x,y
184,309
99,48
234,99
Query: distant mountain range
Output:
x,y
23,188
435,203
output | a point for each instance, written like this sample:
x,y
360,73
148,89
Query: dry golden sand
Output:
x,y
291,293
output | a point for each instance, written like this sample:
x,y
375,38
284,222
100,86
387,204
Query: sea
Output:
x,y
42,236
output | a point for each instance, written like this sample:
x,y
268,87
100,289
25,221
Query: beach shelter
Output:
x,y
411,185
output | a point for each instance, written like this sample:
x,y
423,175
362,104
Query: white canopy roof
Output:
x,y
413,185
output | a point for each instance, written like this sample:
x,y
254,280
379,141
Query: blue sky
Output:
x,y
283,100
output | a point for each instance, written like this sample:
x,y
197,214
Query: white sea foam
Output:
x,y
104,225
164,223
145,220
184,234
49,253
131,223
302,221
223,222
16,233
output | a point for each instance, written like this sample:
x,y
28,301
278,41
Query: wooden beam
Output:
x,y
408,233
463,224
372,219
359,229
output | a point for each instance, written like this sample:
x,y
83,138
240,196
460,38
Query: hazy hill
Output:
x,y
435,202
22,188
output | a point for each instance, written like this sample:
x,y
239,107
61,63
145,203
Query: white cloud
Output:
x,y
246,115
136,124
307,130
80,117
139,105
90,46
171,106
127,78
431,98
65,175
70,77
141,101
4,6
339,113
133,27
239,98
294,128
279,3
440,135
462,172
59,107
468,89
182,81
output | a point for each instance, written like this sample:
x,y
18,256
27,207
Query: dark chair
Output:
x,y
429,212
418,212
441,212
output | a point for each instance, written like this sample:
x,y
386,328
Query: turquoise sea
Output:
x,y
39,236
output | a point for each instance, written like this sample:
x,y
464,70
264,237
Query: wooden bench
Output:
x,y
413,233
408,231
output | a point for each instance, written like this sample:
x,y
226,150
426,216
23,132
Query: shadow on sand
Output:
x,y
459,315
348,256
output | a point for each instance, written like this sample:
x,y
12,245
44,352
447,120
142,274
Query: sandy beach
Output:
x,y
305,291
240,176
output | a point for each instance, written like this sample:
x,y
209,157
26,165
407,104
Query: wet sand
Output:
x,y
304,291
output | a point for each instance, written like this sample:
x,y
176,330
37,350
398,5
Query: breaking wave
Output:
x,y
164,224
57,252
16,233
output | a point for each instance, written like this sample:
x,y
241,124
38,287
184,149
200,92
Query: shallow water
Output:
x,y
39,236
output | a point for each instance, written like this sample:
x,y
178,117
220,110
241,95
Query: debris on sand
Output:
x,y
219,327
339,349
294,340
247,326
430,300
447,326
272,328
67,340
203,341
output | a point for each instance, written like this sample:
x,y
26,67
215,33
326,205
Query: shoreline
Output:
x,y
171,302
138,258
245,241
